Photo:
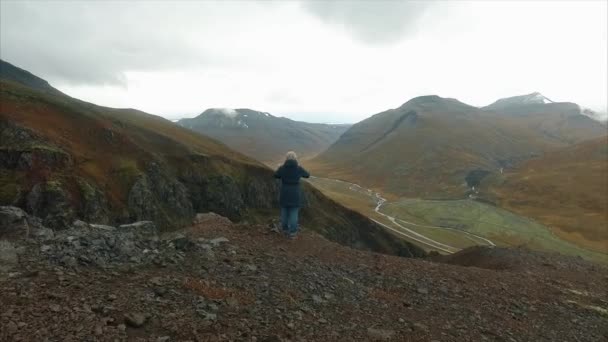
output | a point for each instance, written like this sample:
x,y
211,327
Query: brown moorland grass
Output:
x,y
109,146
427,147
566,190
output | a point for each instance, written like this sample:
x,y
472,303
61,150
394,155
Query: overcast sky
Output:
x,y
318,61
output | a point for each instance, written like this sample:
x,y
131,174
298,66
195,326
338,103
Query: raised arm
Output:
x,y
304,173
277,173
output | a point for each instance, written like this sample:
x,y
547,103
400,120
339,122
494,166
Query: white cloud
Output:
x,y
177,59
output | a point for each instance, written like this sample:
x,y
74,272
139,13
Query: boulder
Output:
x,y
212,218
159,197
135,319
51,203
8,256
13,222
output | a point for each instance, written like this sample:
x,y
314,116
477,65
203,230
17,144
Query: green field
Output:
x,y
447,226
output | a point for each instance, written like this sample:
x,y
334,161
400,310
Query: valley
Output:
x,y
448,226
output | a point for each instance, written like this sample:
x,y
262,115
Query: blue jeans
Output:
x,y
289,219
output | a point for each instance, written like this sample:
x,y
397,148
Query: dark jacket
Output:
x,y
290,173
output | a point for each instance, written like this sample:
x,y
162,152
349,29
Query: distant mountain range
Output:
x,y
262,135
436,147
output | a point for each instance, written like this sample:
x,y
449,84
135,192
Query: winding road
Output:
x,y
406,232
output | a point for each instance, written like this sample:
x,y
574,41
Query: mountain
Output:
x,y
562,121
436,147
564,189
9,72
63,159
518,101
264,136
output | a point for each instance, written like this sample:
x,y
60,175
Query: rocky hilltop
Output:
x,y
220,281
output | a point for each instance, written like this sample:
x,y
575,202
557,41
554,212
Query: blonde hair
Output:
x,y
291,155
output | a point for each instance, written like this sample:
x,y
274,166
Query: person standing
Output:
x,y
289,199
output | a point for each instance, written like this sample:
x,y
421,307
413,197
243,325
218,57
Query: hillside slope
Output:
x,y
566,190
9,72
63,159
434,147
263,136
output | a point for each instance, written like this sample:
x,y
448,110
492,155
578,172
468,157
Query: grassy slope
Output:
x,y
566,190
501,226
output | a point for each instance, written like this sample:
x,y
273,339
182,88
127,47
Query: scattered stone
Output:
x,y
13,222
420,327
251,268
55,307
8,256
317,299
80,225
232,302
380,334
218,241
208,316
183,244
11,327
202,218
135,319
423,290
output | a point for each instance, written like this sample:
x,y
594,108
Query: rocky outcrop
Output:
x,y
35,156
221,194
51,203
159,197
94,206
21,149
13,222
